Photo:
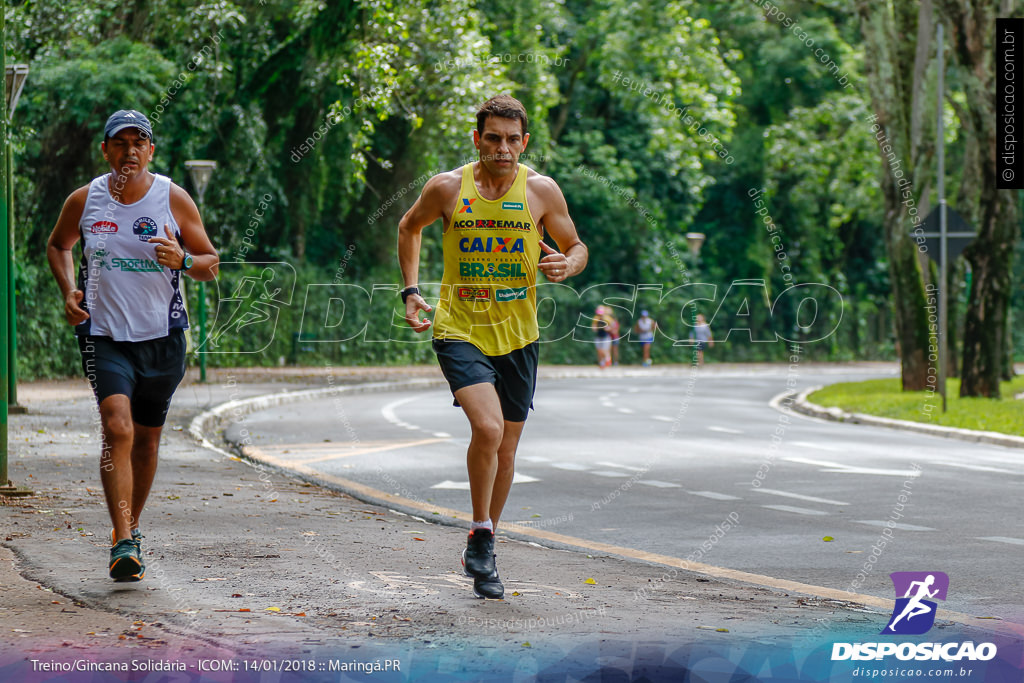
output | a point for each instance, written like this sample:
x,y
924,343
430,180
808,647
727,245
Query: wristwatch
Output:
x,y
186,262
409,290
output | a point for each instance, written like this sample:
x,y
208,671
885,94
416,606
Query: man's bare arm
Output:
x,y
58,252
429,206
573,259
193,236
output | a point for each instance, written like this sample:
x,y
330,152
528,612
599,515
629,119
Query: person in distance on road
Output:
x,y
128,312
701,334
495,213
646,327
602,328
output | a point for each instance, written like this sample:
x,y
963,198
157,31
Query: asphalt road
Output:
x,y
661,463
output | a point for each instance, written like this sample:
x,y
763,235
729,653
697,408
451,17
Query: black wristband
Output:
x,y
407,291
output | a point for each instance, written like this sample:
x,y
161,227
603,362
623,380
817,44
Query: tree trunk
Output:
x,y
897,41
993,212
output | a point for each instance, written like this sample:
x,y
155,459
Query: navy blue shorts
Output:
x,y
147,372
513,375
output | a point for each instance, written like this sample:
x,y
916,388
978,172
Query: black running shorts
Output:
x,y
513,375
147,372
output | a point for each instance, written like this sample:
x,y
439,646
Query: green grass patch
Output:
x,y
884,398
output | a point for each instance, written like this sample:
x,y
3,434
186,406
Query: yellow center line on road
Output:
x,y
989,624
334,452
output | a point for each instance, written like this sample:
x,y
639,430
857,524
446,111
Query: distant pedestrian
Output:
x,y
128,312
645,327
701,334
613,330
601,326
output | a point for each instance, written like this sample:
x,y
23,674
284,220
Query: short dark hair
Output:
x,y
505,106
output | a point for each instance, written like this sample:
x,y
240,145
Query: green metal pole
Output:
x,y
12,293
4,256
202,331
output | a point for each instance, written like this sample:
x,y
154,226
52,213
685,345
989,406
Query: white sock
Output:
x,y
482,525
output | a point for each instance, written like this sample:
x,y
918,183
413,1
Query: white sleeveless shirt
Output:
x,y
128,295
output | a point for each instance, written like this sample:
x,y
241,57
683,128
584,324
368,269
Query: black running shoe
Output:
x,y
489,586
478,557
126,561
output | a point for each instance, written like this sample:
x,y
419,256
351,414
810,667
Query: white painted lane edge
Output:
x,y
714,495
796,510
894,525
1002,539
800,496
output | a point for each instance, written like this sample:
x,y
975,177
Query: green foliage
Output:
x,y
333,115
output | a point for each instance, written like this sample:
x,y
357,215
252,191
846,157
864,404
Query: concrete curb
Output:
x,y
805,407
208,421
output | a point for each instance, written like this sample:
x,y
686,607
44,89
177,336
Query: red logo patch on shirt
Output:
x,y
103,226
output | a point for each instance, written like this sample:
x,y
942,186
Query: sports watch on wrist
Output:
x,y
409,290
186,262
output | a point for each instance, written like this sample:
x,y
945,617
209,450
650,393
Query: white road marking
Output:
x,y
724,430
464,485
388,412
449,484
658,484
608,473
853,469
976,468
1002,539
799,511
894,525
535,458
626,411
714,495
800,496
624,467
817,446
571,466
663,418
442,435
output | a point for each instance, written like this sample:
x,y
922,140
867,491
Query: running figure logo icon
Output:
x,y
913,613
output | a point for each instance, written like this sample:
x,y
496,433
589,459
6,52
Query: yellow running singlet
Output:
x,y
491,250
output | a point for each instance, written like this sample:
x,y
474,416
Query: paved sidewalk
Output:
x,y
241,560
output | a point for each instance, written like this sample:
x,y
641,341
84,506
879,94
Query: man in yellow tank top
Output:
x,y
495,213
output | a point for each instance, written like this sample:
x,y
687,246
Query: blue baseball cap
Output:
x,y
643,313
128,118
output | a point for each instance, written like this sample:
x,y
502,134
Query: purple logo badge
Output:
x,y
914,612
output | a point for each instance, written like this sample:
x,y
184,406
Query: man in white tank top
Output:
x,y
139,233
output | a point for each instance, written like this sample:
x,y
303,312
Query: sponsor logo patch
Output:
x,y
103,227
494,245
474,293
145,228
499,271
491,224
510,294
512,206
136,265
